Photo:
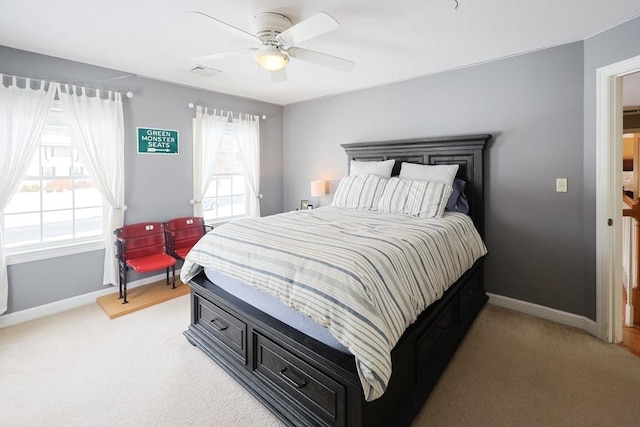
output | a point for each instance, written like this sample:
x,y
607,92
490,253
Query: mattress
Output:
x,y
275,308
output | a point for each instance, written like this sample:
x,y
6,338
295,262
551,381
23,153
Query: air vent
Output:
x,y
201,70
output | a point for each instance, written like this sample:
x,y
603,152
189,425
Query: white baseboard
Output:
x,y
541,311
558,316
73,302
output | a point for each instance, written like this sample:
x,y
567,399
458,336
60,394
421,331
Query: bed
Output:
x,y
307,379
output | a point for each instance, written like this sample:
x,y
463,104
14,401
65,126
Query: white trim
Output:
x,y
73,302
54,251
609,202
558,316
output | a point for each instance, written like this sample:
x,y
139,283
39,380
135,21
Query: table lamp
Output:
x,y
317,190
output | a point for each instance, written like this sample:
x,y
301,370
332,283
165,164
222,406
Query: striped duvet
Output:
x,y
364,275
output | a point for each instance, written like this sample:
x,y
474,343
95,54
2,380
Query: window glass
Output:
x,y
226,197
57,203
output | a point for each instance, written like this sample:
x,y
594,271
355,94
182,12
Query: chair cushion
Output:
x,y
151,262
182,252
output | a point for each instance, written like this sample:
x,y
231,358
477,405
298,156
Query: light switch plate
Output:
x,y
561,185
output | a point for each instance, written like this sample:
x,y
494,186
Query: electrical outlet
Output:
x,y
561,185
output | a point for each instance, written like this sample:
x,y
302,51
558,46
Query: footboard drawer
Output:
x,y
470,292
223,326
472,297
429,343
314,393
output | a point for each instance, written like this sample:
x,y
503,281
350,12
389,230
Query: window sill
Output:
x,y
218,222
53,252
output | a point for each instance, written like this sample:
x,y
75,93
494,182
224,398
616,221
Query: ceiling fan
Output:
x,y
276,41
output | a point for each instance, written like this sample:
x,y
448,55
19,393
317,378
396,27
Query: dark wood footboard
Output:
x,y
305,382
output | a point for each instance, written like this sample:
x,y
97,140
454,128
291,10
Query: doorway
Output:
x,y
631,213
608,201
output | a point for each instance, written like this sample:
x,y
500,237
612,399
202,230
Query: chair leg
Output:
x,y
125,288
173,285
120,286
122,282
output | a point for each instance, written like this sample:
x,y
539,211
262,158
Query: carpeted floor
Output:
x,y
79,368
518,370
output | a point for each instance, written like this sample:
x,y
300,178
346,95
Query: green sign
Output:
x,y
157,141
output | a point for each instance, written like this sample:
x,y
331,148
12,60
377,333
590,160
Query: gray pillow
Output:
x,y
458,200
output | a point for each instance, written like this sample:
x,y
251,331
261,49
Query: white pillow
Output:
x,y
382,168
434,173
424,199
359,192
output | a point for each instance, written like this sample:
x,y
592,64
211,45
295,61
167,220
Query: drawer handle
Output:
x,y
291,380
214,322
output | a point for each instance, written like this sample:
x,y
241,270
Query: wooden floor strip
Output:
x,y
630,335
141,297
631,339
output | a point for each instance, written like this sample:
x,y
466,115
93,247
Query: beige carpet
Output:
x,y
79,368
517,370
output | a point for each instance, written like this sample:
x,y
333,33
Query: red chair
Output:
x,y
183,233
143,248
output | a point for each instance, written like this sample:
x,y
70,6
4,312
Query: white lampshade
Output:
x,y
271,58
317,188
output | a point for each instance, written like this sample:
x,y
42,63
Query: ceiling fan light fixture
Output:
x,y
271,58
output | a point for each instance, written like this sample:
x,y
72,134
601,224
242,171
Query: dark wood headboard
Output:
x,y
465,150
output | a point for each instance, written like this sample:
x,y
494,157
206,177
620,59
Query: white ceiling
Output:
x,y
389,40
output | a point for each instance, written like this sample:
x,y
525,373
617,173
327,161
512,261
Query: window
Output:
x,y
227,195
76,170
58,151
57,203
48,171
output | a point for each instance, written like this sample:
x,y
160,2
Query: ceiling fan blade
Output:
x,y
314,26
221,55
323,59
225,27
279,76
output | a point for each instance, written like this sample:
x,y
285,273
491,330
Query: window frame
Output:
x,y
40,254
229,131
57,248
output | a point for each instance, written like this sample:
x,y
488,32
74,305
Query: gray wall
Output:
x,y
533,106
157,187
540,107
615,45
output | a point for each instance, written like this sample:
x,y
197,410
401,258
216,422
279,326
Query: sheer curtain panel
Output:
x,y
97,129
23,113
208,132
248,134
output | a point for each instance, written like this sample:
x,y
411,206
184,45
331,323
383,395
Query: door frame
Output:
x,y
609,202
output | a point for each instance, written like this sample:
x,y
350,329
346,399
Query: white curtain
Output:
x,y
208,132
23,113
248,134
97,129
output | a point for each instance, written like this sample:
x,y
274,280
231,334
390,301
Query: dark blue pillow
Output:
x,y
458,201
